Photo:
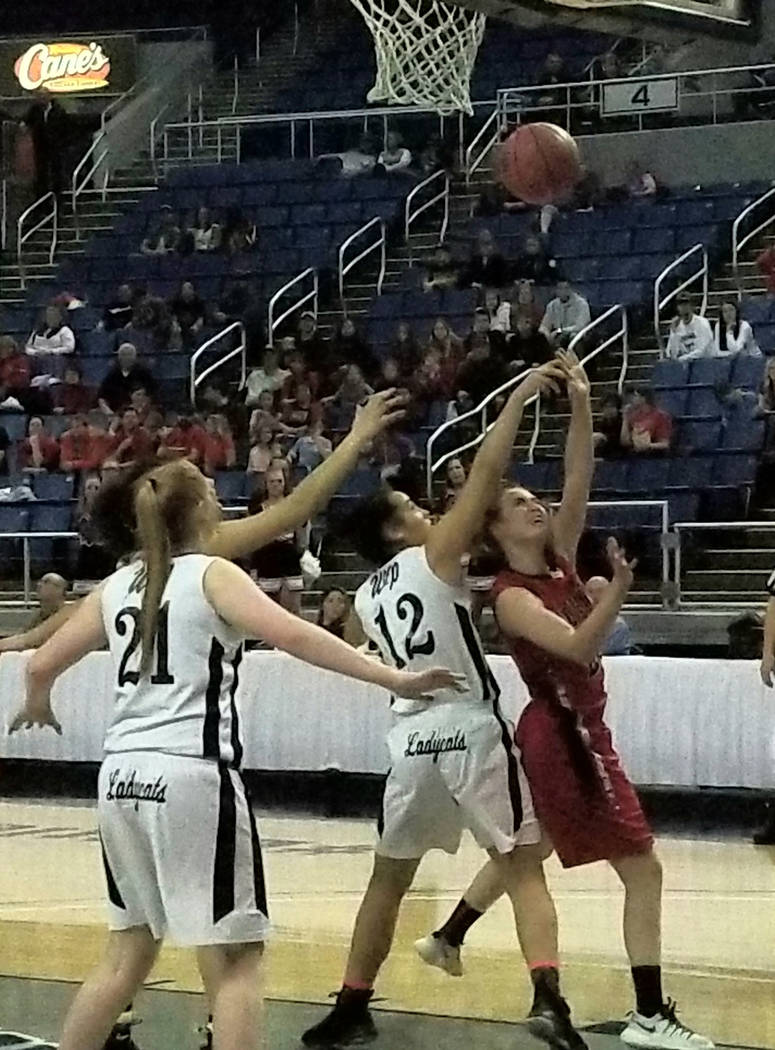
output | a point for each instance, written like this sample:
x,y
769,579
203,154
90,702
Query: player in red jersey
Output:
x,y
585,803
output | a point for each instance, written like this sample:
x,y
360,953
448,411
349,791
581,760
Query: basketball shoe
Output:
x,y
663,1031
206,1031
549,1021
121,1036
349,1023
435,951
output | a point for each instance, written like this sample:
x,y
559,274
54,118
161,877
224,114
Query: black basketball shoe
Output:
x,y
549,1021
121,1036
349,1023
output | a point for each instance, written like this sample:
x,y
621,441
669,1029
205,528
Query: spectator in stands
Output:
x,y
619,640
266,414
214,399
239,233
277,566
299,412
588,193
51,335
534,264
607,434
641,183
94,560
389,375
498,312
395,156
690,335
523,303
265,449
446,342
566,315
76,447
342,406
39,451
454,481
268,377
486,266
219,451
48,124
5,444
767,393
233,304
126,375
71,397
733,335
391,451
435,155
14,373
336,616
166,237
441,270
310,449
119,311
528,346
204,235
765,263
133,442
553,71
357,161
349,347
482,370
645,428
405,349
313,346
142,403
482,330
52,590
189,310
181,437
293,362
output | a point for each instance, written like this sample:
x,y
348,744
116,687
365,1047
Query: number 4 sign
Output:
x,y
638,96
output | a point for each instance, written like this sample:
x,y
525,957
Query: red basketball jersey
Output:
x,y
550,678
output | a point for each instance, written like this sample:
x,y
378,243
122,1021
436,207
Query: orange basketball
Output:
x,y
538,163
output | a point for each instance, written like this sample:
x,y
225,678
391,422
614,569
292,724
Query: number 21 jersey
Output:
x,y
417,621
185,704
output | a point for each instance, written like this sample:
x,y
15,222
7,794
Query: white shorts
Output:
x,y
454,767
180,849
275,585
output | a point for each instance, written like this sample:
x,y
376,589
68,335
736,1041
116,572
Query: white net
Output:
x,y
425,52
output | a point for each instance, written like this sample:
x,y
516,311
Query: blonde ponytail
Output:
x,y
155,542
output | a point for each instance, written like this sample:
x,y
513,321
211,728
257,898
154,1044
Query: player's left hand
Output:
x,y
421,685
577,378
766,668
32,718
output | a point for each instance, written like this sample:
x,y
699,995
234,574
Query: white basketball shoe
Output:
x,y
436,952
663,1031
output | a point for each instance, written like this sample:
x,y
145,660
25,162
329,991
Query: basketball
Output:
x,y
539,163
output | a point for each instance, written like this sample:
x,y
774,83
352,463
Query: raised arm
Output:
x,y
579,460
36,636
237,539
83,632
521,614
768,649
240,603
452,537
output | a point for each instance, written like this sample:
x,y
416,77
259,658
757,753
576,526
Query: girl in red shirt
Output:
x,y
39,451
587,807
219,451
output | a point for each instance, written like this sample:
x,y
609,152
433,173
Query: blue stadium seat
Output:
x,y
690,472
672,400
48,518
737,471
704,401
533,476
700,437
710,370
57,487
743,434
684,506
654,239
14,424
360,482
98,343
748,372
94,370
13,518
610,475
230,485
648,474
669,373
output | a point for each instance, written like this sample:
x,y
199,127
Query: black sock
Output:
x,y
546,985
648,989
354,998
459,923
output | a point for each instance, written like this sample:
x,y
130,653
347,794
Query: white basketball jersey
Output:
x,y
418,621
185,703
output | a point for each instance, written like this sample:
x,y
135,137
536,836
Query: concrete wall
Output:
x,y
681,156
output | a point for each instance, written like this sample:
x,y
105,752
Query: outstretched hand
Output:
x,y
575,376
35,718
379,412
421,685
623,570
543,380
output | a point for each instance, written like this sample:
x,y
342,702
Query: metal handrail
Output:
x,y
4,215
706,525
380,243
22,236
660,304
76,189
664,505
311,297
117,103
235,95
443,195
470,165
152,135
240,349
578,340
737,243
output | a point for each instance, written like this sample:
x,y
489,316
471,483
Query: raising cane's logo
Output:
x,y
63,67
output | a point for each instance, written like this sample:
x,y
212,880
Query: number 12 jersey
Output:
x,y
185,704
417,621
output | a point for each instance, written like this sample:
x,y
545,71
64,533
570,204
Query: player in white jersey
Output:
x,y
452,763
180,847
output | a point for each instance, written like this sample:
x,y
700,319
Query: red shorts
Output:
x,y
585,821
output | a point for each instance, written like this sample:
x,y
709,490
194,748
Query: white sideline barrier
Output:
x,y
675,721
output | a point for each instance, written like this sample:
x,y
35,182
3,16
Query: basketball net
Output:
x,y
425,52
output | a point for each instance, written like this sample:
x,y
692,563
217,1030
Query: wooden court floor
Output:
x,y
719,941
